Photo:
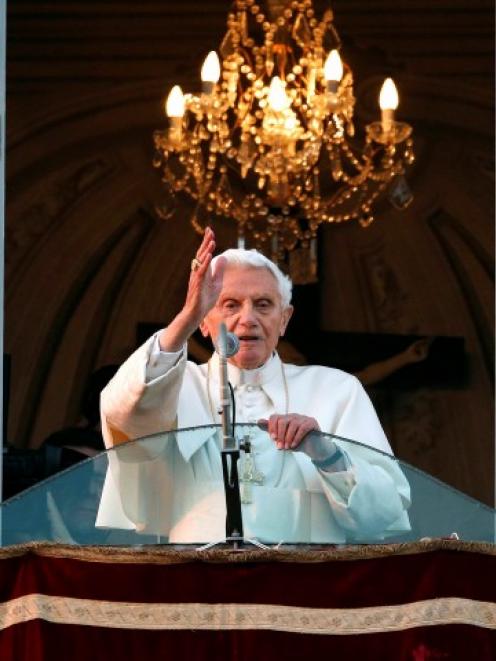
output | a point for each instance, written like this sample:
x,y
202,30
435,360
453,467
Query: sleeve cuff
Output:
x,y
160,362
337,462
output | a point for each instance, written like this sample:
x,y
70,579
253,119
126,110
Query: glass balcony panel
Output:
x,y
168,489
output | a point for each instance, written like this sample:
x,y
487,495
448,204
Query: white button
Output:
x,y
250,388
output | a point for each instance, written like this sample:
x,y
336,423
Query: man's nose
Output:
x,y
247,315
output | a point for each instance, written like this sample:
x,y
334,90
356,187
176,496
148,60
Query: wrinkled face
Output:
x,y
251,307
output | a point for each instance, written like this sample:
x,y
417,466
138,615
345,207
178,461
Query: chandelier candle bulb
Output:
x,y
333,71
174,108
388,102
210,72
277,98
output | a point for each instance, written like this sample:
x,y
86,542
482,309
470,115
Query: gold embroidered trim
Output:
x,y
321,621
164,555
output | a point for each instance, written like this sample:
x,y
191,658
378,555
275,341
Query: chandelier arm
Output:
x,y
242,52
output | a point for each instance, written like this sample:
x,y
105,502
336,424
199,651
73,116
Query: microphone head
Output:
x,y
232,345
227,343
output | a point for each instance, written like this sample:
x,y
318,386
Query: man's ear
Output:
x,y
286,316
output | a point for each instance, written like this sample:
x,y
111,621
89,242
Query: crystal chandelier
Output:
x,y
269,143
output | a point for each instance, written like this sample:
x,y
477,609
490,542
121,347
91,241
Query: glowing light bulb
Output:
x,y
333,71
174,106
388,98
277,99
388,102
210,71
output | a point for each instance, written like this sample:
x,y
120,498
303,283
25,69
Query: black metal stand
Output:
x,y
234,520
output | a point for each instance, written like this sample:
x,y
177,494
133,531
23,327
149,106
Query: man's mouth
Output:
x,y
248,338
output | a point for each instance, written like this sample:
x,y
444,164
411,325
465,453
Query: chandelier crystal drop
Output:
x,y
269,143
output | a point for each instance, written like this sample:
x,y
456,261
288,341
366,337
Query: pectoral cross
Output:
x,y
250,474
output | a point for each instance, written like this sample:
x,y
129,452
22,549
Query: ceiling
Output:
x,y
90,42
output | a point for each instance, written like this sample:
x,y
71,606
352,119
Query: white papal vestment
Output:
x,y
173,486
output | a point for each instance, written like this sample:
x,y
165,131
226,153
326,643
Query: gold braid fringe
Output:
x,y
174,554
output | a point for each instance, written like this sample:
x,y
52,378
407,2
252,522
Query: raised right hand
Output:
x,y
205,283
204,287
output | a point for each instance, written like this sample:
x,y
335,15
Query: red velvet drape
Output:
x,y
311,579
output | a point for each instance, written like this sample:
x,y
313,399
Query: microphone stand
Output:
x,y
230,453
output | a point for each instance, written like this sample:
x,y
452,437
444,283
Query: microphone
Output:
x,y
227,343
227,346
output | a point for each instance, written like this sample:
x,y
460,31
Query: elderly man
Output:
x,y
311,488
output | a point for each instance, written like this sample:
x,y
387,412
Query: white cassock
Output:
x,y
172,485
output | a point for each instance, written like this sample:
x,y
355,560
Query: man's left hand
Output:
x,y
288,431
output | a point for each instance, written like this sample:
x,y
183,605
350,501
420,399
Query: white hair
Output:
x,y
255,259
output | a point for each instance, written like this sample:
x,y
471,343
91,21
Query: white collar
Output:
x,y
269,376
260,376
